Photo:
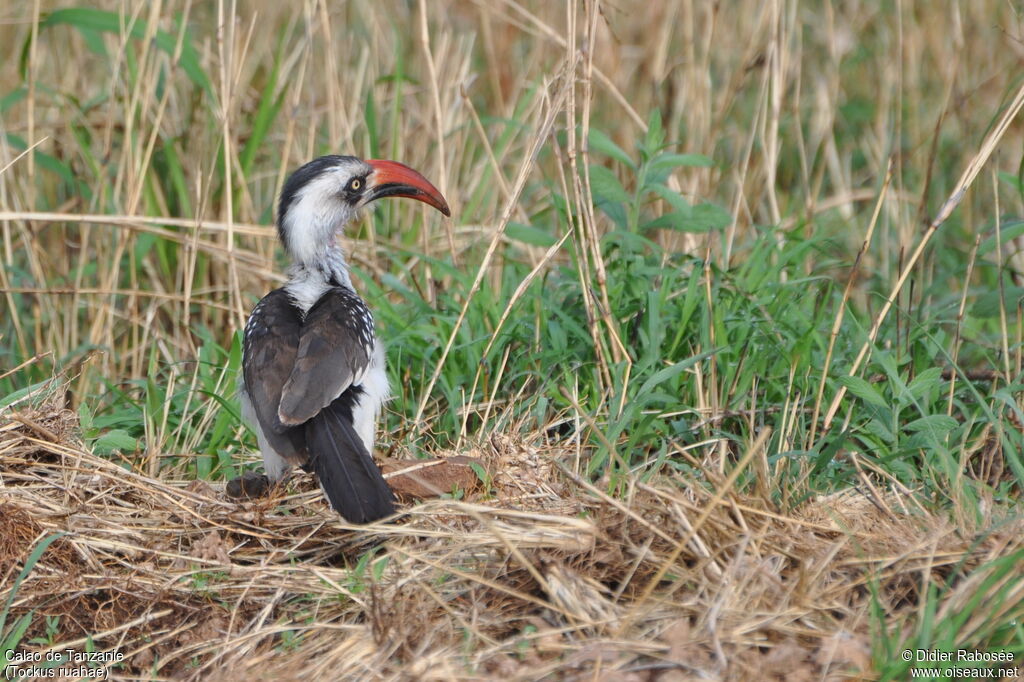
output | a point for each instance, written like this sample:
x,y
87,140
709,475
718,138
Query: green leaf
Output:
x,y
605,186
12,98
528,234
707,217
667,373
1007,395
1008,231
87,19
925,381
52,164
880,431
600,142
94,41
265,115
176,176
13,638
370,116
379,566
937,424
989,303
700,218
655,138
616,211
116,439
863,390
703,217
84,417
396,78
21,393
666,161
480,472
674,198
1012,180
668,221
30,563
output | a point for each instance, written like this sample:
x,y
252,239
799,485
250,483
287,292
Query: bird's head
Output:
x,y
320,198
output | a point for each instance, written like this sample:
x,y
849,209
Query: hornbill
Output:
x,y
313,378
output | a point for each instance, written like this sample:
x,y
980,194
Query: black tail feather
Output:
x,y
347,473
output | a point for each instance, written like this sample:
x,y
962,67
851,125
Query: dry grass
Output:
x,y
840,112
673,581
760,88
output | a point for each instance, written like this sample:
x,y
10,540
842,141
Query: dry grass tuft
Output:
x,y
188,584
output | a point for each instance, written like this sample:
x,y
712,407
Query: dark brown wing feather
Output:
x,y
334,349
270,344
302,377
346,471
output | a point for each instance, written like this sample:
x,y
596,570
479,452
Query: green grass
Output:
x,y
11,637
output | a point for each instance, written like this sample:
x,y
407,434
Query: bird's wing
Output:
x,y
270,344
335,347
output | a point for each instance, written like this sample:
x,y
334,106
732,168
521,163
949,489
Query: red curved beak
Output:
x,y
393,179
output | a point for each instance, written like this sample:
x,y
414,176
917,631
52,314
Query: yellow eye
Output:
x,y
355,184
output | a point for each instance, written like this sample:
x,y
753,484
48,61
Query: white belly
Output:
x,y
375,392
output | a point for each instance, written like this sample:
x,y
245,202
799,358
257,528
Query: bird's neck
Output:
x,y
309,278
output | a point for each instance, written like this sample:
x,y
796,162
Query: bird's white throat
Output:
x,y
307,283
312,224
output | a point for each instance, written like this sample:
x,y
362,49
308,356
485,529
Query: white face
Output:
x,y
322,206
